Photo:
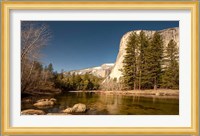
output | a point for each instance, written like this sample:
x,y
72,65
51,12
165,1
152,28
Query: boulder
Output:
x,y
32,112
42,100
76,108
79,107
53,100
45,103
68,110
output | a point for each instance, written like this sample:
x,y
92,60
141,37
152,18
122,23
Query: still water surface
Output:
x,y
104,104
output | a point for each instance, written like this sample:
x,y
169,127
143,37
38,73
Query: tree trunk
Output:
x,y
140,81
155,84
134,85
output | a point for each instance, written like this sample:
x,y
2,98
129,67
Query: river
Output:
x,y
111,104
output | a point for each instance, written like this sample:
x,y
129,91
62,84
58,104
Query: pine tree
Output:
x,y
146,72
129,62
157,56
142,60
170,78
153,65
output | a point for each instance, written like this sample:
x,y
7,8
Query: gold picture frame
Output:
x,y
5,59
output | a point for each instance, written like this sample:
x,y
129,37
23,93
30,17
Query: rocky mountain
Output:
x,y
100,71
167,34
111,71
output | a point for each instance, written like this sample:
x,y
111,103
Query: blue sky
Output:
x,y
83,44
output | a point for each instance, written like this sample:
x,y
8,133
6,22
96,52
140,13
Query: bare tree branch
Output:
x,y
34,36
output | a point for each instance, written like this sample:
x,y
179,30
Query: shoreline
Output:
x,y
160,93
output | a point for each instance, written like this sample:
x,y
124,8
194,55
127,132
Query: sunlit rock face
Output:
x,y
100,71
113,70
167,34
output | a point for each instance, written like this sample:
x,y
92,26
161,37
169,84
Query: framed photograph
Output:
x,y
100,67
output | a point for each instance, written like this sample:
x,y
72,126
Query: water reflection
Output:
x,y
115,104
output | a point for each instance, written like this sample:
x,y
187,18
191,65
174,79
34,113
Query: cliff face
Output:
x,y
111,71
167,34
100,71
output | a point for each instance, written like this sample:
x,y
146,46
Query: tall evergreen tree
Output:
x,y
170,78
157,56
142,59
153,65
129,62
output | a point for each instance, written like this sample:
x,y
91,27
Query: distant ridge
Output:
x,y
99,71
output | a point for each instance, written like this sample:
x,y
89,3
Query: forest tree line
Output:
x,y
68,82
148,64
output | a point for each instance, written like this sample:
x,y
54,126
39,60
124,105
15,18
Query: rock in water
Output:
x,y
45,102
53,100
79,107
76,108
32,112
68,110
42,100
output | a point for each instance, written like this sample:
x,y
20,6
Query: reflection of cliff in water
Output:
x,y
114,105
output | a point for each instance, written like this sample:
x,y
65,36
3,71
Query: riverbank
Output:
x,y
46,91
161,93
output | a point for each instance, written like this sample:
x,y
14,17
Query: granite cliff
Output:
x,y
167,34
